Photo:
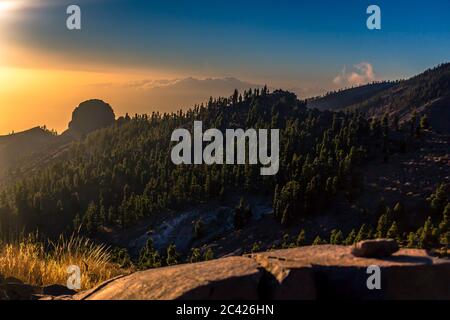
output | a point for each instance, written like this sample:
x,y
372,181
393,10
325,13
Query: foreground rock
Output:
x,y
338,274
315,272
14,289
228,278
378,248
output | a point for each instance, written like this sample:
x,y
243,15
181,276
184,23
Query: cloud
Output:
x,y
166,95
363,73
219,86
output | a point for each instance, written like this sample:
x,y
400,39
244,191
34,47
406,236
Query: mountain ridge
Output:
x,y
426,94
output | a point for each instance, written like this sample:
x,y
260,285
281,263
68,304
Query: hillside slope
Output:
x,y
425,94
22,144
345,98
26,152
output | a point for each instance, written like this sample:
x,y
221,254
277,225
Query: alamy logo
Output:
x,y
374,280
374,20
74,279
235,139
73,21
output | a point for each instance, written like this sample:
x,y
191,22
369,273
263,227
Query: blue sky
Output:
x,y
252,39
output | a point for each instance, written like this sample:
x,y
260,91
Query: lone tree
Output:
x,y
209,254
301,238
172,255
149,257
195,255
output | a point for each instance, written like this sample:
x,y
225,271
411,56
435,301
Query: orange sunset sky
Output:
x,y
142,56
43,91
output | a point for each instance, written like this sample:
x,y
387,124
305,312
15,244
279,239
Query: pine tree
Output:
x,y
444,226
256,247
393,231
412,240
350,238
362,234
121,257
336,237
148,256
318,241
235,97
195,255
209,254
172,255
427,235
439,199
301,238
285,243
382,226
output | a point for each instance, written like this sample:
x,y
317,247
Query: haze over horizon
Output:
x,y
143,56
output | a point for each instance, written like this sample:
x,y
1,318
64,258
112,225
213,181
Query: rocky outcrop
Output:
x,y
228,278
89,116
315,272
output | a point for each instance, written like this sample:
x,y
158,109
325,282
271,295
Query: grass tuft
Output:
x,y
37,263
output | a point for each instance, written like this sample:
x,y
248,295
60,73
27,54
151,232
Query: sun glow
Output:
x,y
7,6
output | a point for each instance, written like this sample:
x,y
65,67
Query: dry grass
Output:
x,y
35,263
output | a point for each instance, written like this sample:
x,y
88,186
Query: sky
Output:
x,y
142,56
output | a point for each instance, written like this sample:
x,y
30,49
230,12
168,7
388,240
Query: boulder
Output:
x,y
377,248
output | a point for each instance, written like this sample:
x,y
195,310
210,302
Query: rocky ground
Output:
x,y
15,289
314,272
